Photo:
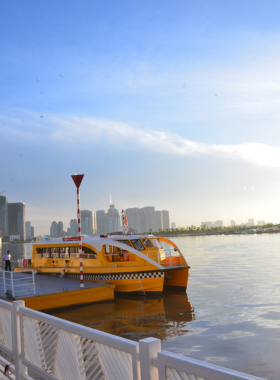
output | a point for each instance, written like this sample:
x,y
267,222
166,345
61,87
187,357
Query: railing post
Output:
x,y
4,281
148,350
12,283
20,369
33,279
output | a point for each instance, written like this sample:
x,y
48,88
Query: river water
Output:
x,y
230,315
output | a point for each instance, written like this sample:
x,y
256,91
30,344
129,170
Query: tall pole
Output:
x,y
77,178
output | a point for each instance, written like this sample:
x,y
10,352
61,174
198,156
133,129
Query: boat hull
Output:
x,y
176,279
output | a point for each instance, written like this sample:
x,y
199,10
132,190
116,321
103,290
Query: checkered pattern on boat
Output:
x,y
117,276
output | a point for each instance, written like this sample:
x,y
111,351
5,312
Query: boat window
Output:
x,y
55,252
137,244
74,252
39,252
46,252
89,253
151,243
127,242
64,252
107,248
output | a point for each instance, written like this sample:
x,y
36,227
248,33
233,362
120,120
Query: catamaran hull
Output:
x,y
176,279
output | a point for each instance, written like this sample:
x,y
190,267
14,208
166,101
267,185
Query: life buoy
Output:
x,y
24,263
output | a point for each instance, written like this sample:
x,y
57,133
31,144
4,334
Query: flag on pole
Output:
x,y
125,220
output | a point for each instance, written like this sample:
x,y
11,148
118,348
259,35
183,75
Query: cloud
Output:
x,y
93,131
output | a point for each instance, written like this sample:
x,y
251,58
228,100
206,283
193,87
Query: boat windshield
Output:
x,y
151,243
127,242
138,245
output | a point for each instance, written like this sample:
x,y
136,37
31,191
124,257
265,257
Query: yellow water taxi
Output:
x,y
135,264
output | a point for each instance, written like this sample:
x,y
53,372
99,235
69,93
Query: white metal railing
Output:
x,y
17,283
166,257
41,345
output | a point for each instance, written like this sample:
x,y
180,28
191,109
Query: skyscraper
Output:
x,y
16,219
28,230
114,221
101,222
60,232
53,230
73,227
3,216
86,222
165,219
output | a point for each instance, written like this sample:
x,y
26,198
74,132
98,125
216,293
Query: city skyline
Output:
x,y
173,105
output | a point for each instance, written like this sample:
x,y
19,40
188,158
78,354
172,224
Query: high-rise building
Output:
x,y
250,222
145,219
173,225
232,223
114,221
101,222
165,220
207,225
32,232
73,227
53,230
28,230
3,216
94,223
86,222
16,219
60,232
218,223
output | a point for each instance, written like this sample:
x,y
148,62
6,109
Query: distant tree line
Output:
x,y
203,230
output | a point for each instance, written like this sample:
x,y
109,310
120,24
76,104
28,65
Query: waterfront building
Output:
x,y
73,227
261,223
250,222
15,219
145,219
86,222
3,217
53,230
232,223
165,219
146,216
114,221
173,225
94,223
60,232
32,232
133,217
218,223
28,230
207,225
101,222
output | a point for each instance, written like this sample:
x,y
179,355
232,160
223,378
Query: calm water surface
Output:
x,y
230,315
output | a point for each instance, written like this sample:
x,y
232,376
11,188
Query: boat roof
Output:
x,y
88,238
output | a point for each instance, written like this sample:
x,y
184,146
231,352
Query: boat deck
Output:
x,y
52,292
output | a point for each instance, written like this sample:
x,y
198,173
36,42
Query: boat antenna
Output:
x,y
77,178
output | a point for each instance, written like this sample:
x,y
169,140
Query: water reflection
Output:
x,y
135,319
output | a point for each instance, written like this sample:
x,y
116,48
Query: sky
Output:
x,y
168,104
